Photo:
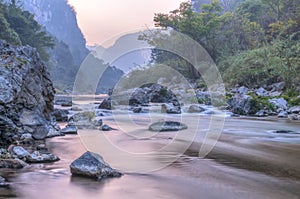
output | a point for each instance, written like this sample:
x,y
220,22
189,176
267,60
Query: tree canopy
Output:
x,y
20,28
256,34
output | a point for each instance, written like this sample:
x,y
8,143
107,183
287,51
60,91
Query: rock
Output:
x,y
275,94
53,132
279,103
139,97
69,129
20,152
99,122
195,109
12,163
160,94
242,90
26,136
284,132
261,92
36,157
60,115
242,105
170,109
67,104
203,97
106,128
261,113
283,114
294,117
278,86
26,93
92,165
63,101
3,182
84,120
295,109
154,93
139,110
106,104
167,126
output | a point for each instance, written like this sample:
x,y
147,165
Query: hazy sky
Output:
x,y
100,20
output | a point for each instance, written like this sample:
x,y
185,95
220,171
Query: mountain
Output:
x,y
59,19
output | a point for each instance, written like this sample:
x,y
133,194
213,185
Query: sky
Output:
x,y
102,20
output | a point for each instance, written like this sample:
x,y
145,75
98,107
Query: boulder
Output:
x,y
279,103
92,165
37,157
283,114
20,152
154,93
139,97
12,163
60,115
262,113
195,109
69,129
243,90
242,105
170,109
261,92
294,109
105,127
106,104
167,126
278,87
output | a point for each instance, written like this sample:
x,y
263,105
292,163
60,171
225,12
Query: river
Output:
x,y
248,160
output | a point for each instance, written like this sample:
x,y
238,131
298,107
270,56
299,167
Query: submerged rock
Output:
x,y
92,165
167,126
105,127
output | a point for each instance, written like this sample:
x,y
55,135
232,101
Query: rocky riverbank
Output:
x,y
26,106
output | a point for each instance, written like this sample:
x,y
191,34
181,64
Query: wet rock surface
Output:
x,y
167,126
92,165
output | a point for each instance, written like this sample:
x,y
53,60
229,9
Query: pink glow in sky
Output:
x,y
100,20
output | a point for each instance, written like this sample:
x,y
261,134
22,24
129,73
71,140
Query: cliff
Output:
x,y
26,94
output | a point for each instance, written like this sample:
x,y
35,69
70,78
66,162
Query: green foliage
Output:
x,y
20,28
255,43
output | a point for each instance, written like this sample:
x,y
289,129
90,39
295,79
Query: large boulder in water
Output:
x,y
26,94
152,93
92,165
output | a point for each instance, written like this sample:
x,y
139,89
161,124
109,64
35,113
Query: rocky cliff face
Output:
x,y
59,18
26,94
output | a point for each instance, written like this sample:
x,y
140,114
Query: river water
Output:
x,y
248,160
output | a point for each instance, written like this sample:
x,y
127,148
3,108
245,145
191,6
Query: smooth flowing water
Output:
x,y
248,161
